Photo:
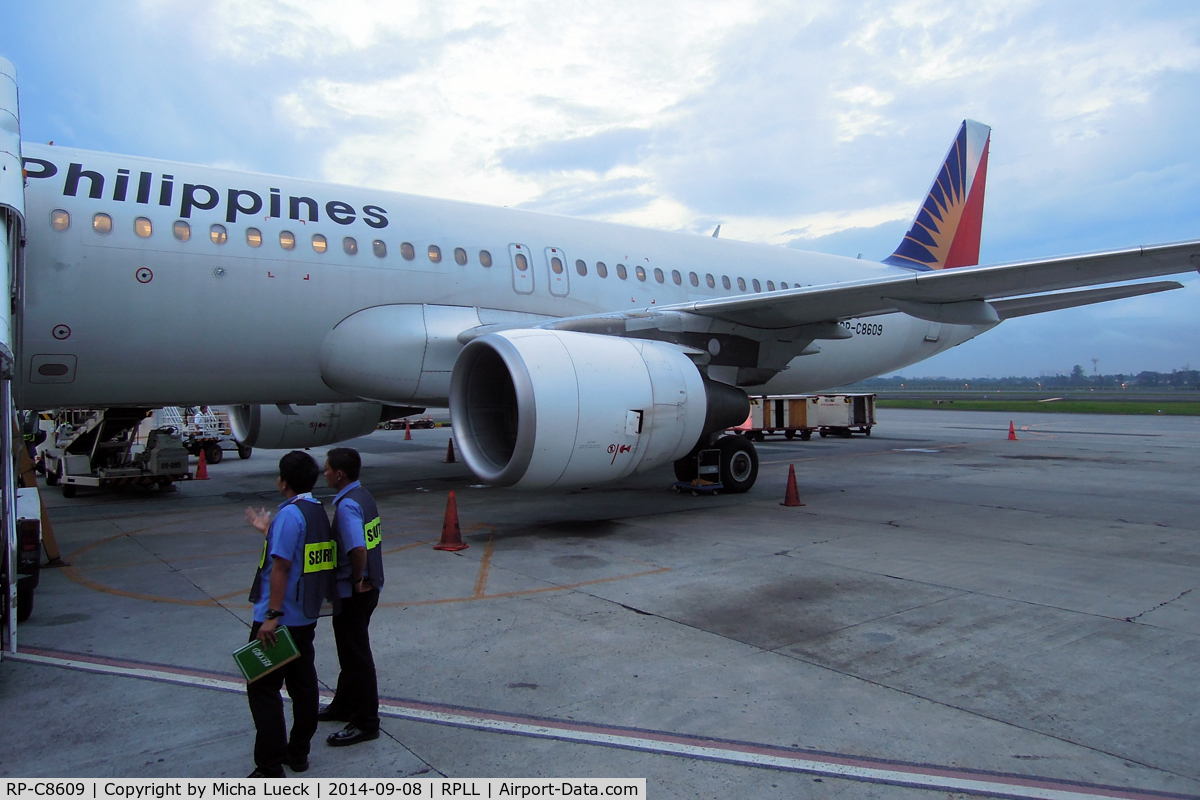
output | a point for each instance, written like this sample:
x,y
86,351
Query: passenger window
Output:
x,y
522,262
742,284
782,285
601,269
675,276
435,253
182,230
641,273
143,227
694,278
379,248
350,246
460,256
621,273
556,265
712,283
485,258
102,223
253,237
658,275
287,240
725,282
319,243
217,234
581,267
60,220
770,286
407,251
757,286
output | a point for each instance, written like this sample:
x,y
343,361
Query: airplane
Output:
x,y
570,352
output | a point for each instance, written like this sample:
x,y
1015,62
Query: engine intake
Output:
x,y
542,408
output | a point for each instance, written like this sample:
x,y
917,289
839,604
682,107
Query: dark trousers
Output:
x,y
357,695
271,744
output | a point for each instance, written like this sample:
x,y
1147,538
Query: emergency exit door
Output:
x,y
556,269
522,268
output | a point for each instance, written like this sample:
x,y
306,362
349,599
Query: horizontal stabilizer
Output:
x,y
1022,306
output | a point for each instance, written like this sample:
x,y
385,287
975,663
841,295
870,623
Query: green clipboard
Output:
x,y
256,660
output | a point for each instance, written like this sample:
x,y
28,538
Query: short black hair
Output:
x,y
299,471
346,460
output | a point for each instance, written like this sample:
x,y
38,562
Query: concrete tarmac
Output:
x,y
945,600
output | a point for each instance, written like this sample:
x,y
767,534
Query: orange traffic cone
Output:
x,y
792,496
451,535
202,469
407,431
1012,432
450,451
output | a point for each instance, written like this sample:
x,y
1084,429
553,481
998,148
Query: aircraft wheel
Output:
x,y
213,454
739,464
244,451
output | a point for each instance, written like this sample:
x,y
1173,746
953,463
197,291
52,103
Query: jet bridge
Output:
x,y
12,242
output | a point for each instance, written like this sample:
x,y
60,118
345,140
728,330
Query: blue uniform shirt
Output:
x,y
285,538
348,515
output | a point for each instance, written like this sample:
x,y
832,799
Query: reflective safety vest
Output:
x,y
372,531
316,584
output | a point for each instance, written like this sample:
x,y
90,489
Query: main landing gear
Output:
x,y
739,463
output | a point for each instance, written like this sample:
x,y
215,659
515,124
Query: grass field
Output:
x,y
1186,409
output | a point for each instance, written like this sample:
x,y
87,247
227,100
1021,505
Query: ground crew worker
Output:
x,y
356,529
294,576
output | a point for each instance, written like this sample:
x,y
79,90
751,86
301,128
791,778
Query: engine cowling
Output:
x,y
541,408
269,428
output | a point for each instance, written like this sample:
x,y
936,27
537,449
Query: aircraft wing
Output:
x,y
954,296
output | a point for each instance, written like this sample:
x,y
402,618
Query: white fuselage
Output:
x,y
153,320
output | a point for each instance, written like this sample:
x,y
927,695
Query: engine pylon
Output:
x,y
791,497
202,468
451,533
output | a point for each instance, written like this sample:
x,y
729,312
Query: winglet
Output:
x,y
717,232
947,228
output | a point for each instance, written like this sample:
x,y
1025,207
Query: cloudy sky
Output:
x,y
810,125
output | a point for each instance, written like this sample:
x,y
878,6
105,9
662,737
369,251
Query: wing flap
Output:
x,y
1022,306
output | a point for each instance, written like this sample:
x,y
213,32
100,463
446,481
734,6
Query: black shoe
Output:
x,y
331,714
260,773
350,735
297,765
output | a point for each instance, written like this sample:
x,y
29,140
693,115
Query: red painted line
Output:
x,y
870,770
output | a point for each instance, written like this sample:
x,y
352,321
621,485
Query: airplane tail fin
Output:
x,y
946,230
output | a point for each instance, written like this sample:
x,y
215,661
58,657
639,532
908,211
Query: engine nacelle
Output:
x,y
538,408
267,427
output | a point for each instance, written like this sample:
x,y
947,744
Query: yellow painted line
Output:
x,y
485,566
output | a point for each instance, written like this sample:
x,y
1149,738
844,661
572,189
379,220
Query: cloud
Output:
x,y
806,125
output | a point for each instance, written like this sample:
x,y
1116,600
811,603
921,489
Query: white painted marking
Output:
x,y
918,776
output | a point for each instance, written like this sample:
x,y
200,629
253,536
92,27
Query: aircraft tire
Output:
x,y
244,451
739,464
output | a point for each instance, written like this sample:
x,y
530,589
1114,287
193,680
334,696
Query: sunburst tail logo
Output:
x,y
946,230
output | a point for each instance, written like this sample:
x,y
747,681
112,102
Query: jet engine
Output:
x,y
537,408
272,428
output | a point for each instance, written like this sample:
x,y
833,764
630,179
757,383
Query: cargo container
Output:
x,y
802,414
